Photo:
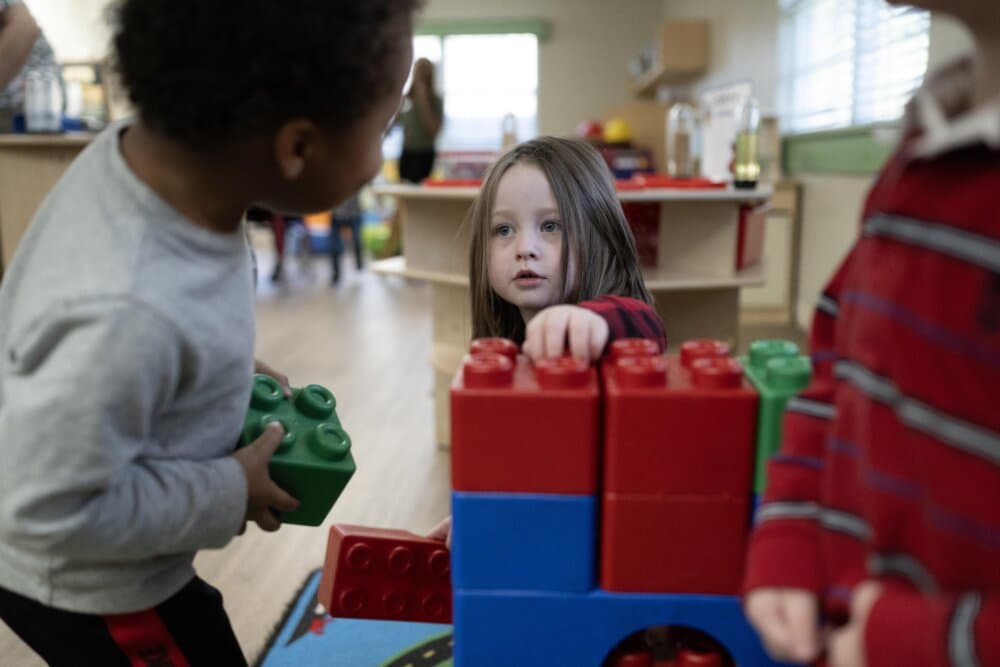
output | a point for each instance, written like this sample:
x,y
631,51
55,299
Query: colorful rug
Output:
x,y
307,636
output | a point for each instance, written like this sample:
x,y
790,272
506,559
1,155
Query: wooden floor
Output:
x,y
368,340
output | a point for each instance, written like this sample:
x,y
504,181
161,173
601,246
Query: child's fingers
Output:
x,y
267,443
532,337
554,333
282,379
802,617
442,531
580,338
599,333
267,521
281,500
764,612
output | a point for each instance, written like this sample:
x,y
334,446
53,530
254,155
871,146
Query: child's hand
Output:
x,y
846,647
442,532
262,493
787,620
260,367
548,332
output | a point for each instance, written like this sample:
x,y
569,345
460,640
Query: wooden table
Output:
x,y
30,164
695,283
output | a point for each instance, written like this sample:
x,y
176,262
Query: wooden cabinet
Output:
x,y
29,166
677,53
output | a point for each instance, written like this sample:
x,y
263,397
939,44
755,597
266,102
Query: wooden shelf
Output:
x,y
396,266
66,139
657,280
646,84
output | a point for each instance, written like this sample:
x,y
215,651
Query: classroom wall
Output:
x,y
743,43
744,46
583,66
75,28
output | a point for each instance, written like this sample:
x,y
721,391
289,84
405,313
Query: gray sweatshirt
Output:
x,y
126,358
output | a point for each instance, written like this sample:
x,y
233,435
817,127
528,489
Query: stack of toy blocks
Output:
x,y
524,475
384,574
678,461
527,471
778,372
313,462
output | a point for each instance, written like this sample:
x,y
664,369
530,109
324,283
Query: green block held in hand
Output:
x,y
778,372
313,462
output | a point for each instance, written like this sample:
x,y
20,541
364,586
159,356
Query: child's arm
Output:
x,y
588,327
628,318
85,474
784,567
897,627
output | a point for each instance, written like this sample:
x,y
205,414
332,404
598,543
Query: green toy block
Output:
x,y
313,462
778,372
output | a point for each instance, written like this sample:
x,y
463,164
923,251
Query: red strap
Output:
x,y
145,640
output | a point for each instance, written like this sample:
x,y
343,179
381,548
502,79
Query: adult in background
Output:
x,y
22,47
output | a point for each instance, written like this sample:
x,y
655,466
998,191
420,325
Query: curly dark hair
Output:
x,y
204,72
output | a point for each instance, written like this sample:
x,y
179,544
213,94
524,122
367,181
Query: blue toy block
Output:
x,y
526,628
524,541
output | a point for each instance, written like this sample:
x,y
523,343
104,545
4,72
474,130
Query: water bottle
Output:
x,y
42,100
747,164
682,140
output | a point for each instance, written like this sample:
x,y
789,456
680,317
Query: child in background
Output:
x,y
552,261
881,518
127,316
347,214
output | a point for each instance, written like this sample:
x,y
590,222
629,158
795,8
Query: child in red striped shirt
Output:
x,y
881,519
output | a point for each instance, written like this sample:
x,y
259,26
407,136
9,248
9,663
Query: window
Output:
x,y
848,62
483,78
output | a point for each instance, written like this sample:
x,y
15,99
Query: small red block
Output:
x,y
385,574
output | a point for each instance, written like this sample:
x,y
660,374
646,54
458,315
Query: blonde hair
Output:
x,y
597,240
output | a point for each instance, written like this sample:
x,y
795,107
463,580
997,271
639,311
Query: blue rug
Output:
x,y
307,636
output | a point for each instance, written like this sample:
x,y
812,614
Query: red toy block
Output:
x,y
635,659
686,544
702,348
672,430
523,428
384,574
501,346
693,658
664,181
634,347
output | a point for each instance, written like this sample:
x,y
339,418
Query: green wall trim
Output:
x,y
860,150
541,28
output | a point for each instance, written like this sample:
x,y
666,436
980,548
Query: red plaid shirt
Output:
x,y
628,318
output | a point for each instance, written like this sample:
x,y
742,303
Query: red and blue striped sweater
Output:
x,y
890,464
